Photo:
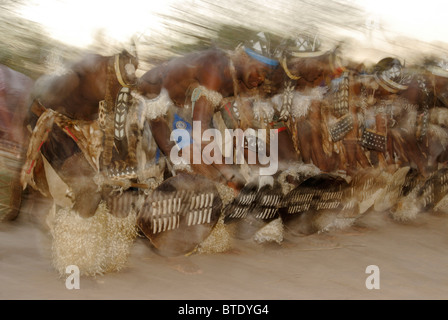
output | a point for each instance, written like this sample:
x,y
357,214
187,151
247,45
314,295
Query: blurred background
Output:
x,y
42,36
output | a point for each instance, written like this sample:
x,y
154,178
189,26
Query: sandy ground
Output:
x,y
412,259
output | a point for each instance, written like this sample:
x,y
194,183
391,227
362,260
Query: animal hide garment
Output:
x,y
213,97
302,101
87,135
154,108
263,111
38,137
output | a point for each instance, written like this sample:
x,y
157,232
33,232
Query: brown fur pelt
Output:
x,y
87,135
38,137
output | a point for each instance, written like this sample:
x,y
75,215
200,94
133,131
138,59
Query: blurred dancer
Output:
x,y
309,71
85,92
192,88
15,89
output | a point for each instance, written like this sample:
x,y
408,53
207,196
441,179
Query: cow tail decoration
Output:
x,y
109,115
